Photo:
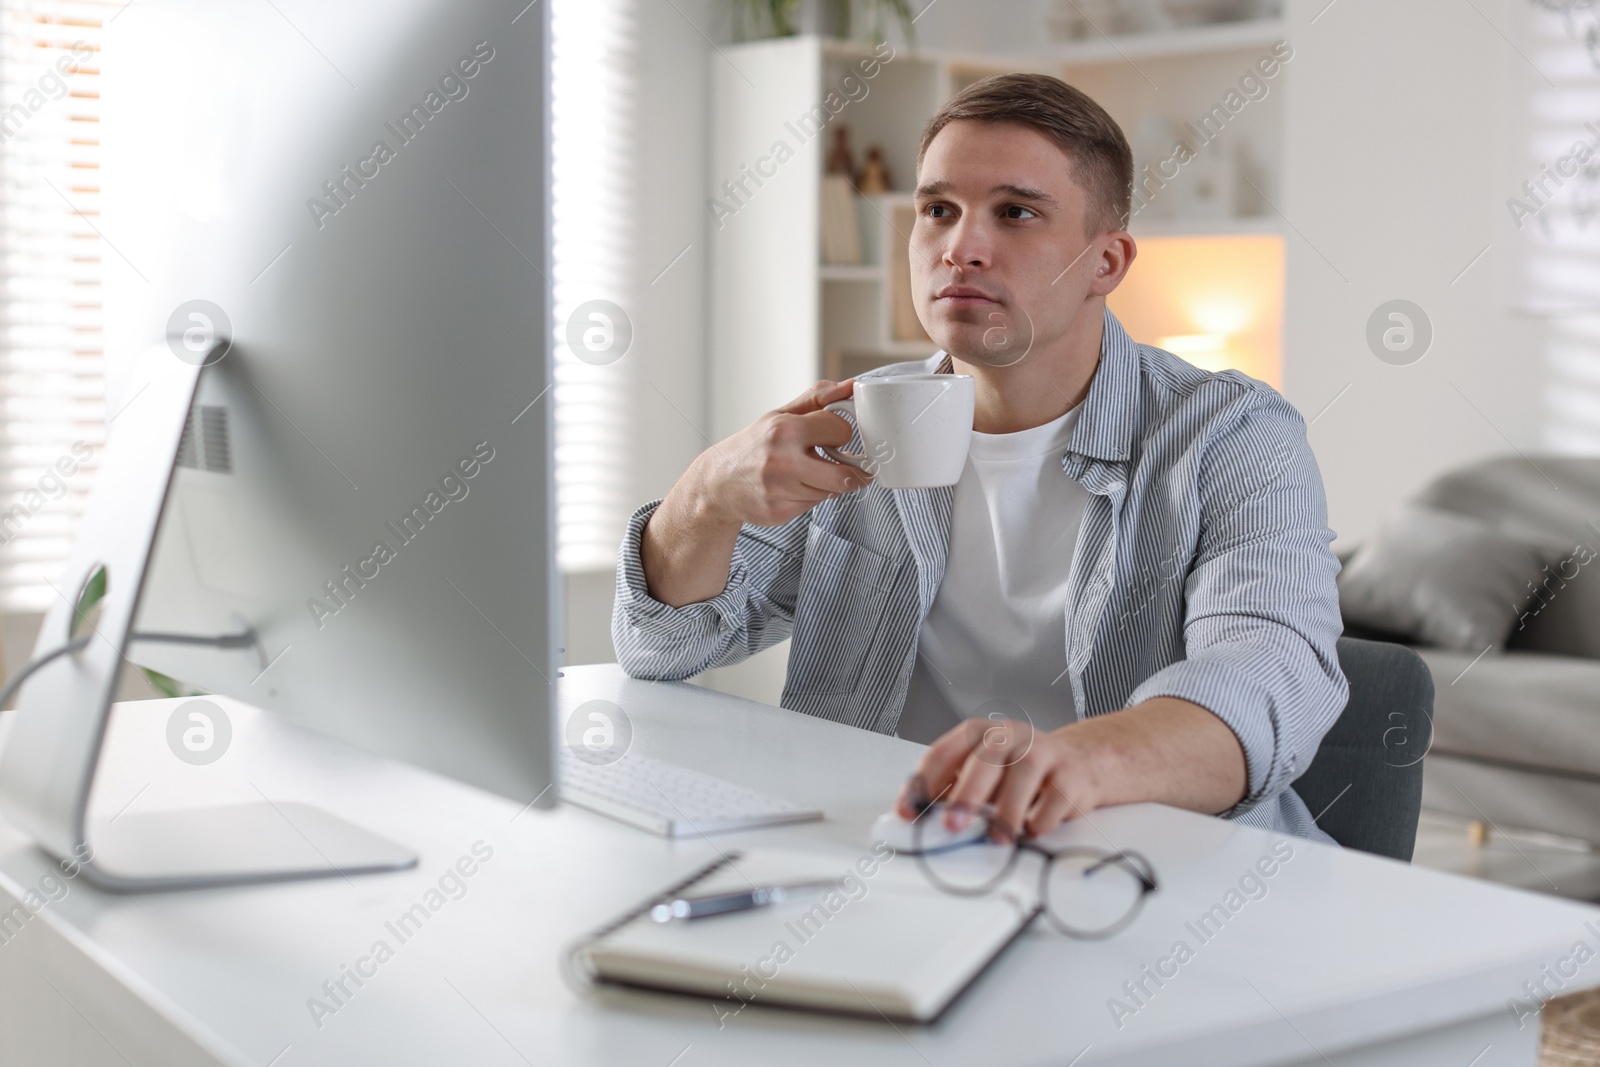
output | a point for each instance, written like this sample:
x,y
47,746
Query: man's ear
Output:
x,y
1116,257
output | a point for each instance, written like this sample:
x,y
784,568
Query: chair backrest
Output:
x,y
1365,785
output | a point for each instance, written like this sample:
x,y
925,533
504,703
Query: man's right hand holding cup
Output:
x,y
765,475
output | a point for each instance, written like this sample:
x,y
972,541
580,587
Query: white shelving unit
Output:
x,y
1187,41
780,318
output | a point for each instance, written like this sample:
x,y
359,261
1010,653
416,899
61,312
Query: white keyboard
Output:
x,y
669,800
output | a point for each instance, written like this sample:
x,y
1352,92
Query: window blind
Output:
x,y
52,395
594,53
1556,213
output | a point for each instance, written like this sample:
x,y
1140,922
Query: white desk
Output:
x,y
1348,959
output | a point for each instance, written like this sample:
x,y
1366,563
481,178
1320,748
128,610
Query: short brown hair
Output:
x,y
1092,140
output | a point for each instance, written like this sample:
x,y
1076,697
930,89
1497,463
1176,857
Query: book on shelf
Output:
x,y
841,237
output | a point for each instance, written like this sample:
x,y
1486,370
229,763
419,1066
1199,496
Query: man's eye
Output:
x,y
937,211
1017,211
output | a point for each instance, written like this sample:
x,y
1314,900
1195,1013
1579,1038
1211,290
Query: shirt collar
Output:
x,y
1110,410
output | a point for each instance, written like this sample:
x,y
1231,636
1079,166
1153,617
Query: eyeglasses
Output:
x,y
1085,892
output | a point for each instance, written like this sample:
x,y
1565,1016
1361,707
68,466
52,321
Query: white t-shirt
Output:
x,y
994,643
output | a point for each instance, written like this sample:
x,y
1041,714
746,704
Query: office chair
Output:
x,y
1365,784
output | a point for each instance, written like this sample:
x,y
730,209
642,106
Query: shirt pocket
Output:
x,y
844,588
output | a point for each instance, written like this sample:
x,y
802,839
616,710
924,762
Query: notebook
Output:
x,y
881,941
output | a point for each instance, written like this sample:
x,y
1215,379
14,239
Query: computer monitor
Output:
x,y
341,212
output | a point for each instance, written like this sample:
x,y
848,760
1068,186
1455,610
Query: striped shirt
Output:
x,y
1203,571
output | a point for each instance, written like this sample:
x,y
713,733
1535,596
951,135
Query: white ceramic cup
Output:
x,y
915,428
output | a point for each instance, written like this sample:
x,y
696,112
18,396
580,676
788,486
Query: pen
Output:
x,y
726,903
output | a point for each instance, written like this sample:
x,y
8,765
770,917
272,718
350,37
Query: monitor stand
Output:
x,y
54,742
233,844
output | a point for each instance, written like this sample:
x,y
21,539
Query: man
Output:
x,y
1129,595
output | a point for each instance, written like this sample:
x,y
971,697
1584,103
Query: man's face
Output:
x,y
1000,259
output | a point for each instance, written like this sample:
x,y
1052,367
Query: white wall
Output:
x,y
1400,118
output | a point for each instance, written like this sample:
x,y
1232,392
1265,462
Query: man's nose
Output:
x,y
969,245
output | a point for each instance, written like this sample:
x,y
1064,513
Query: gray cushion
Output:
x,y
1444,579
1556,497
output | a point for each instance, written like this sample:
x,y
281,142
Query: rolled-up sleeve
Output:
x,y
1262,611
755,610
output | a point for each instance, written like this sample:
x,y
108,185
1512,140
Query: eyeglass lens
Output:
x,y
1086,892
1091,894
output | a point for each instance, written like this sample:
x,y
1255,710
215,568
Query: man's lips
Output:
x,y
960,295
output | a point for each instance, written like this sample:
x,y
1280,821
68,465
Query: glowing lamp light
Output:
x,y
1223,314
1184,343
1214,300
1208,351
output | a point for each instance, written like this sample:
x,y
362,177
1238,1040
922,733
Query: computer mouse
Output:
x,y
900,835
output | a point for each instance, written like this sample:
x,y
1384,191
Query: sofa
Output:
x,y
1516,730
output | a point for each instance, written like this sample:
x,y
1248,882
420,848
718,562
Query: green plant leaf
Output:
x,y
757,19
85,613
168,686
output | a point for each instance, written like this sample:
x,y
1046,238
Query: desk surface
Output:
x,y
1333,951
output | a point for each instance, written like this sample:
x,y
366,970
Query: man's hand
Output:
x,y
769,472
1035,780
1166,750
764,475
